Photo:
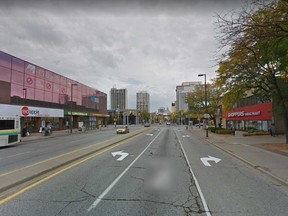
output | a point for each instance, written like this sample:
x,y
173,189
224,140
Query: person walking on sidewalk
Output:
x,y
273,130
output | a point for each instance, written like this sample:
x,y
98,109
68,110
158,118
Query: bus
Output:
x,y
9,130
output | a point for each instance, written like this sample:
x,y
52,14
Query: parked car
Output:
x,y
122,129
168,123
147,124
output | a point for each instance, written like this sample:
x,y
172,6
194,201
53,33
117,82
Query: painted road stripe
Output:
x,y
62,171
207,211
59,156
15,155
106,191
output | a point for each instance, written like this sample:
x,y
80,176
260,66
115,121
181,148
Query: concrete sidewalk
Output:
x,y
57,133
265,153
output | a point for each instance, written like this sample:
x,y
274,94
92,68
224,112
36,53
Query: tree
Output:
x,y
145,115
196,100
256,60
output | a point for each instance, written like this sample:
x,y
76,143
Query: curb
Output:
x,y
282,181
33,176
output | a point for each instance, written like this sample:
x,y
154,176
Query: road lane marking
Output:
x,y
59,156
207,211
106,191
63,170
121,153
209,158
15,155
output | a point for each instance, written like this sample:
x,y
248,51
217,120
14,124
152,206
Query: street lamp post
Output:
x,y
206,119
71,117
24,93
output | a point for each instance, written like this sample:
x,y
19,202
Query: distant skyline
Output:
x,y
139,45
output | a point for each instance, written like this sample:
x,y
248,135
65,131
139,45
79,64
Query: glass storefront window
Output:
x,y
30,93
63,81
48,76
29,81
17,90
17,64
48,96
17,77
5,74
39,84
40,72
30,69
39,95
5,60
63,90
48,86
56,88
55,98
63,99
56,78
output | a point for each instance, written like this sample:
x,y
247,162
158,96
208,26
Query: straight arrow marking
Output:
x,y
209,158
123,155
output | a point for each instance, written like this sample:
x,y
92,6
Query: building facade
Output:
x,y
181,93
118,99
38,94
143,101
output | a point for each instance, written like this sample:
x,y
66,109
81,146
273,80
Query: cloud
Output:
x,y
138,45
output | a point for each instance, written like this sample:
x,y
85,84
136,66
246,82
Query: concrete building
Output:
x,y
39,96
143,101
181,92
118,99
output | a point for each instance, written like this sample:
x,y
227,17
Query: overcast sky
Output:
x,y
137,45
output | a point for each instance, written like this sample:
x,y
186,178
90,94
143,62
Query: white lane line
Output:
x,y
15,155
207,211
106,191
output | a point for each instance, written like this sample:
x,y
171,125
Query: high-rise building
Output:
x,y
181,93
143,101
119,99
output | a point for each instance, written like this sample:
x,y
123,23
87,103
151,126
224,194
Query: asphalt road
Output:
x,y
155,179
26,153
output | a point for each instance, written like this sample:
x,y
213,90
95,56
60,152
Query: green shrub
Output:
x,y
224,131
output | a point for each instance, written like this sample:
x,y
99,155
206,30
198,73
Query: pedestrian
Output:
x,y
273,130
24,131
67,127
233,130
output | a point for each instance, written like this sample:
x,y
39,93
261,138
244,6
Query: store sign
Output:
x,y
243,113
28,111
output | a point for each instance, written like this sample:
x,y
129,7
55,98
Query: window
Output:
x,y
30,69
5,60
17,90
17,77
6,124
39,94
5,74
40,72
17,64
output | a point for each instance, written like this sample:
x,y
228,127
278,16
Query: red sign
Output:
x,y
255,112
29,112
48,85
25,111
29,80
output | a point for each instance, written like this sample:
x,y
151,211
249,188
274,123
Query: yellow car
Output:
x,y
122,130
